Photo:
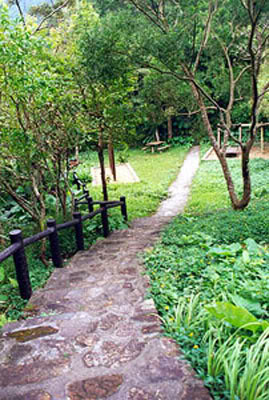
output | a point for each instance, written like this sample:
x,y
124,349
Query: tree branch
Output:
x,y
20,11
49,16
211,11
148,15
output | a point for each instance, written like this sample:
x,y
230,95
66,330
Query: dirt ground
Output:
x,y
256,152
124,174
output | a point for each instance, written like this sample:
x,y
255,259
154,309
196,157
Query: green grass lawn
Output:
x,y
210,279
155,171
209,187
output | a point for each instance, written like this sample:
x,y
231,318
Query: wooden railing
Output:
x,y
18,244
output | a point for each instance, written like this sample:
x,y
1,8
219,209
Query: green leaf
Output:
x,y
13,282
252,246
251,305
220,251
2,274
3,320
264,324
246,258
236,316
235,247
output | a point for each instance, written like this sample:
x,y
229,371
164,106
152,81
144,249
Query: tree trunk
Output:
x,y
111,157
157,135
237,204
102,166
2,238
77,153
170,128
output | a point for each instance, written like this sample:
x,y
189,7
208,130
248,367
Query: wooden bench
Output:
x,y
233,152
73,163
163,148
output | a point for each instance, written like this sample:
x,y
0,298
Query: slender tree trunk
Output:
x,y
170,128
111,156
237,204
2,238
157,135
102,166
42,218
77,153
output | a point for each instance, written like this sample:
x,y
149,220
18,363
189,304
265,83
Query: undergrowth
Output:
x,y
209,280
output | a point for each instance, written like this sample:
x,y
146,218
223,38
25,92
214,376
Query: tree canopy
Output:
x,y
76,75
214,49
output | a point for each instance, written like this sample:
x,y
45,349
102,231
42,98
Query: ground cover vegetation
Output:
x,y
209,281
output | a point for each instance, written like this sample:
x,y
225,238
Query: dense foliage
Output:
x,y
209,280
210,53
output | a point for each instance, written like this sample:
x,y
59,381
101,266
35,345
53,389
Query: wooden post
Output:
x,y
76,181
262,139
240,132
102,164
54,244
21,266
105,222
79,231
90,205
123,208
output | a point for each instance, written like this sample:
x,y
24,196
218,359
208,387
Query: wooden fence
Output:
x,y
18,244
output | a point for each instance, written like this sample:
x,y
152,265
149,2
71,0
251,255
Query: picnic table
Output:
x,y
157,145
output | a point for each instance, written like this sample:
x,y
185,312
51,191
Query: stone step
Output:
x,y
91,335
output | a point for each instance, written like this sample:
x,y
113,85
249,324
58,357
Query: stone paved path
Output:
x,y
92,335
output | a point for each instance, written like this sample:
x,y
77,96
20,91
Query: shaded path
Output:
x,y
92,334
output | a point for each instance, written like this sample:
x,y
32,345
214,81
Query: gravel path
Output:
x,y
179,190
92,335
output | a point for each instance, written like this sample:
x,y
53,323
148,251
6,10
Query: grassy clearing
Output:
x,y
209,187
210,284
155,171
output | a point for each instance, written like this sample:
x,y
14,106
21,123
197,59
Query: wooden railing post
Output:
x,y
90,205
79,231
76,180
21,266
105,222
124,208
54,244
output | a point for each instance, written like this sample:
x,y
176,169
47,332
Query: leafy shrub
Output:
x,y
207,271
123,154
195,282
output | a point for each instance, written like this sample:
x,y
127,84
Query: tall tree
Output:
x,y
37,120
216,48
104,112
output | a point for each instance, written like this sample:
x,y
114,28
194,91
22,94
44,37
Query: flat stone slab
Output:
x,y
124,174
91,333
